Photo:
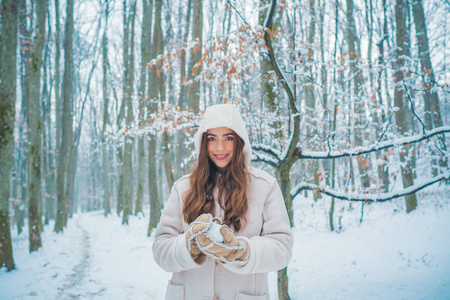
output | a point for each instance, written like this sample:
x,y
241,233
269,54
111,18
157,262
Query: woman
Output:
x,y
225,225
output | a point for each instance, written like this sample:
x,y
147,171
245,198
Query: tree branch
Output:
x,y
267,150
268,160
367,149
349,196
288,155
412,107
273,60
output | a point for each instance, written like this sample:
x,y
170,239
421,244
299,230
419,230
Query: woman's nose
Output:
x,y
220,145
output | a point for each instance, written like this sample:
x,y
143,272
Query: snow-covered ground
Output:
x,y
390,255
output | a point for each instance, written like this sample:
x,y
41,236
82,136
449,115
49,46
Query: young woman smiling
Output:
x,y
225,225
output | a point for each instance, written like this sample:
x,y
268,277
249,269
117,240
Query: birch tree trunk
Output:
x,y
8,48
403,115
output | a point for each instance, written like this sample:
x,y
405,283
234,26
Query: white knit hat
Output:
x,y
224,115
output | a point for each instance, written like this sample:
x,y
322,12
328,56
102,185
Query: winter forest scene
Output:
x,y
346,103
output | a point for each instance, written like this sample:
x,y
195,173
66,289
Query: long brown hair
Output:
x,y
232,187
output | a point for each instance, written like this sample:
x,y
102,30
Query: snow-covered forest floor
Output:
x,y
390,255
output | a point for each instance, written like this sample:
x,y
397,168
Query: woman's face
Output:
x,y
220,146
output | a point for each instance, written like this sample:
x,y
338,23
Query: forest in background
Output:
x,y
99,100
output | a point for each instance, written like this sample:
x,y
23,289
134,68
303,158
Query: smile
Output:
x,y
221,157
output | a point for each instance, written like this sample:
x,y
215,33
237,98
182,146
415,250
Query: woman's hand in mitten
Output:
x,y
226,248
240,251
200,225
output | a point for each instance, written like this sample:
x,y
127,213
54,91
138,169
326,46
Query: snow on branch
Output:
x,y
268,150
371,148
382,197
268,39
267,159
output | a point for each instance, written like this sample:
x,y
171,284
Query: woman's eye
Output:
x,y
210,139
229,138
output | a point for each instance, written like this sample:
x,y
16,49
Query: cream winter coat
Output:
x,y
267,233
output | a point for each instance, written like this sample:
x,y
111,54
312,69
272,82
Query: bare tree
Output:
x,y
152,107
35,126
196,55
8,49
403,115
105,161
128,56
48,153
146,23
431,99
359,106
67,124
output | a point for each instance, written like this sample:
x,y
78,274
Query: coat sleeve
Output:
x,y
272,249
169,247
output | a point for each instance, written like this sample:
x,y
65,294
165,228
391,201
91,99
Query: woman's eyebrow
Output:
x,y
226,134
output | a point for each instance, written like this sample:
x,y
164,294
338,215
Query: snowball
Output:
x,y
214,233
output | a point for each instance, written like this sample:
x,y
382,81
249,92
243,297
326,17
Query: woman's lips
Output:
x,y
220,157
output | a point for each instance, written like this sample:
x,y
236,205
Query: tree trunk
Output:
x,y
8,48
432,108
139,206
359,107
105,160
67,123
128,92
21,166
166,146
196,55
268,94
158,42
146,25
285,185
49,167
58,104
310,100
182,96
182,103
285,165
383,173
155,203
403,115
35,127
154,96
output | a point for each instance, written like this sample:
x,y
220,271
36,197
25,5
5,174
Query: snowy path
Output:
x,y
70,288
390,256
